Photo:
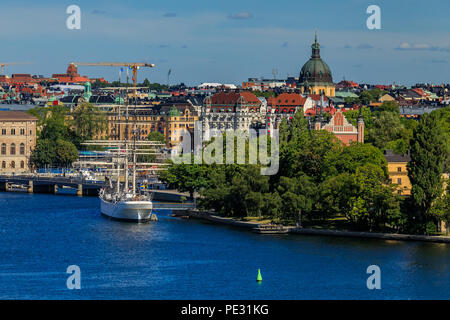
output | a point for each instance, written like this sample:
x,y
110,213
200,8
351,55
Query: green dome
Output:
x,y
119,100
315,70
174,112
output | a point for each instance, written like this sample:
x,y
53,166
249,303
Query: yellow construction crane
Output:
x,y
3,65
132,65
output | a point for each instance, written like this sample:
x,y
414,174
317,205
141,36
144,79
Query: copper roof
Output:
x,y
16,116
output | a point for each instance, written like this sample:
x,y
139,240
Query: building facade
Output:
x,y
17,141
398,172
341,128
171,120
232,111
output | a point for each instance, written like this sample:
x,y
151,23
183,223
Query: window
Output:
x,y
399,181
13,149
3,131
13,131
13,164
22,132
22,164
4,164
22,148
3,148
399,169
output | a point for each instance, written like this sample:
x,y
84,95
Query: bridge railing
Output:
x,y
174,206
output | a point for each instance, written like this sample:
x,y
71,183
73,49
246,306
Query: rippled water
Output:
x,y
41,235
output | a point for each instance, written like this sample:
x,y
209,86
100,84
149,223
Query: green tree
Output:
x,y
146,83
352,117
428,154
185,177
386,127
297,197
236,190
388,106
364,197
54,125
66,152
156,137
88,121
353,157
44,153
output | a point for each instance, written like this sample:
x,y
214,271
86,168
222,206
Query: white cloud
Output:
x,y
422,46
240,16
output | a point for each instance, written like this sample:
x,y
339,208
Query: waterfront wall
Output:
x,y
320,232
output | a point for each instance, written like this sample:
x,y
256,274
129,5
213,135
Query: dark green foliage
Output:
x,y
320,179
428,154
44,153
66,153
185,177
88,121
62,133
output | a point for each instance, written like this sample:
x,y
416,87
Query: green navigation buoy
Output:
x,y
259,277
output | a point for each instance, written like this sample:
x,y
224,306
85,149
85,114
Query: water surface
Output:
x,y
41,235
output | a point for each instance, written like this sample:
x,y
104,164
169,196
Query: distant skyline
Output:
x,y
228,42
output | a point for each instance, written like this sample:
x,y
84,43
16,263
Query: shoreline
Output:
x,y
309,231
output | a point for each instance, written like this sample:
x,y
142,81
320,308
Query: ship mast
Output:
x,y
126,137
134,143
118,146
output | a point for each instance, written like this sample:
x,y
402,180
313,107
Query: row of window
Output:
x,y
13,132
12,149
13,164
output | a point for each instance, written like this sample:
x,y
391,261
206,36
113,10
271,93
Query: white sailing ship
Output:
x,y
126,206
119,200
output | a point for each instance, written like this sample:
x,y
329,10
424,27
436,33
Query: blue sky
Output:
x,y
229,41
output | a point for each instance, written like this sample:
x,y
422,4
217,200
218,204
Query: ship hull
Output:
x,y
130,211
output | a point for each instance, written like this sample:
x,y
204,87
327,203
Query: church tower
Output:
x,y
315,75
360,126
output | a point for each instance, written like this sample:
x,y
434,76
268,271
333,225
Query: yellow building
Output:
x,y
398,172
17,141
315,75
170,120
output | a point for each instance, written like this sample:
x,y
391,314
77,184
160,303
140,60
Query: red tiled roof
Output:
x,y
250,97
232,98
286,99
316,97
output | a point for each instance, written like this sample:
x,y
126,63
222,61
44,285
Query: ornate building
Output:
x,y
232,111
17,141
315,76
340,127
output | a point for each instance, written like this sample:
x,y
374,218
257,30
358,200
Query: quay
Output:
x,y
272,229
